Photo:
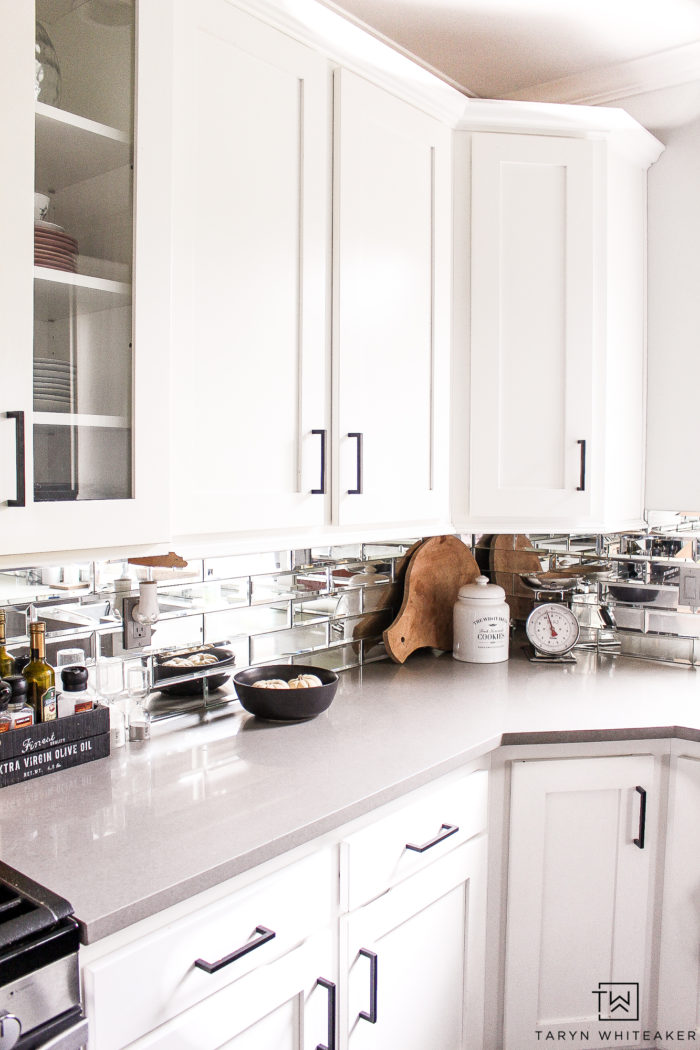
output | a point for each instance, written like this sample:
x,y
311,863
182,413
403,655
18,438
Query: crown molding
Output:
x,y
670,68
318,24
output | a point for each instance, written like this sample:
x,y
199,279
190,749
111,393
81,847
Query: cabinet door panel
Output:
x,y
391,316
679,969
532,342
578,891
249,376
427,934
279,1005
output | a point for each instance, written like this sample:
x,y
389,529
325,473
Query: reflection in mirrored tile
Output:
x,y
388,549
368,625
185,630
373,650
265,647
228,567
340,658
249,620
203,597
311,610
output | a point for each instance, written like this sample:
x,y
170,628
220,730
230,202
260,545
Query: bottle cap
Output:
x,y
75,679
18,685
5,693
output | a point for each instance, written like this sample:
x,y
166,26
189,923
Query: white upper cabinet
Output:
x,y
249,378
392,277
557,331
83,461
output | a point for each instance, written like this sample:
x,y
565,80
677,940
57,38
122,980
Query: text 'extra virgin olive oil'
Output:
x,y
41,681
7,664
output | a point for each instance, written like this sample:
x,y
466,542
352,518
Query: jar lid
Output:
x,y
481,589
74,678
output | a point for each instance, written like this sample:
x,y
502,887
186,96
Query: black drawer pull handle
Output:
x,y
642,817
582,470
357,491
331,1014
21,500
445,831
265,936
322,490
373,967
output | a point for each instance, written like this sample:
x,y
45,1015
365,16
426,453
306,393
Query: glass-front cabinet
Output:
x,y
82,451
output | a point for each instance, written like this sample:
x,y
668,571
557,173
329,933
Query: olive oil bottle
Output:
x,y
7,664
41,681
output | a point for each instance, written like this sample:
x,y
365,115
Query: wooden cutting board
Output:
x,y
436,571
510,555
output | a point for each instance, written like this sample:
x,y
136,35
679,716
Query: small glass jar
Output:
x,y
5,695
19,711
47,72
76,696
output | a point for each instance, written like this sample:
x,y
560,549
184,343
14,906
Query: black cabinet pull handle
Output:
x,y
265,936
582,470
642,816
331,1014
322,490
373,966
21,500
357,491
444,833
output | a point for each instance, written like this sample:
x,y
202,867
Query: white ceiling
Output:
x,y
553,50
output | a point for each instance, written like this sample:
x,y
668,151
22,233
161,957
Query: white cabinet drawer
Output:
x,y
133,990
408,839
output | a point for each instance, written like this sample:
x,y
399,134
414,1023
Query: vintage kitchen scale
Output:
x,y
552,628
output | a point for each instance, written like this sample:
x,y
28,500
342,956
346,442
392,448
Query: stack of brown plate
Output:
x,y
54,248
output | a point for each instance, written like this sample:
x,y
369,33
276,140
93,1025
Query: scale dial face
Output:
x,y
552,629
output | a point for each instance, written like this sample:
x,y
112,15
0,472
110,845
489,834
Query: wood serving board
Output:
x,y
436,571
510,555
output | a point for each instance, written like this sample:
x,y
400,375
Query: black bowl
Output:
x,y
195,687
285,705
632,595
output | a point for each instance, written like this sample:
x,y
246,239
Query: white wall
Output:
x,y
673,413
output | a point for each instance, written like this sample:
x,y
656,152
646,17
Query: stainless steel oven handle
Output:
x,y
74,1038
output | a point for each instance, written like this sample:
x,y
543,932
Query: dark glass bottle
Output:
x,y
41,680
7,664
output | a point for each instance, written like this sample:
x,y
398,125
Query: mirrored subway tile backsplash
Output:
x,y
325,605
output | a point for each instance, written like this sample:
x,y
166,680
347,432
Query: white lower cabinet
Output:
x,y
287,1005
679,958
414,960
579,903
283,963
264,948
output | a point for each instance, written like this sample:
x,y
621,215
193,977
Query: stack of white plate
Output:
x,y
54,385
54,248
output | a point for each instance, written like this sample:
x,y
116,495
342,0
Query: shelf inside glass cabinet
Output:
x,y
71,149
57,294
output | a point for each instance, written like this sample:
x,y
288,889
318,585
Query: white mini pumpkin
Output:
x,y
305,681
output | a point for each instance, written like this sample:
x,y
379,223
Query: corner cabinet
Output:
x,y
580,896
557,375
83,455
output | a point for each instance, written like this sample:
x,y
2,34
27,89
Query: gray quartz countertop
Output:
x,y
207,798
